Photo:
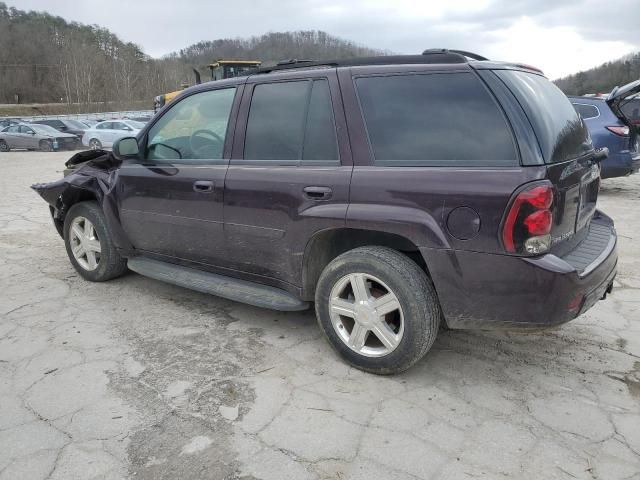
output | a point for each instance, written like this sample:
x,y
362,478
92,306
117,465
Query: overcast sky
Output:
x,y
559,36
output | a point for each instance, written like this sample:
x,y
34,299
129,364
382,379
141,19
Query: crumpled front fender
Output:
x,y
94,176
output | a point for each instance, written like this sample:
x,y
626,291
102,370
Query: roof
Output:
x,y
428,57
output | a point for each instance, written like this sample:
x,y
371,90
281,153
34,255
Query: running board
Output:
x,y
238,290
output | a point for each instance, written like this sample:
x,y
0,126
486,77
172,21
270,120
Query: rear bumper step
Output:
x,y
234,289
597,245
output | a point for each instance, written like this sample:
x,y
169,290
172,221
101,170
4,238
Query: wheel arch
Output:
x,y
326,245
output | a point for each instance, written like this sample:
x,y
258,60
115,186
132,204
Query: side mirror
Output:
x,y
126,147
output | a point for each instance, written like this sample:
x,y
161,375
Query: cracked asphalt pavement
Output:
x,y
138,379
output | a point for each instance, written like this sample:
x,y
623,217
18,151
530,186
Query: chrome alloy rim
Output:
x,y
366,315
85,244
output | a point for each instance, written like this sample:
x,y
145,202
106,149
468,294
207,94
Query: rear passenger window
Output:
x,y
291,123
447,119
586,111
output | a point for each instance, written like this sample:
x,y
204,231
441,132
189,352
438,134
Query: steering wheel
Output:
x,y
196,149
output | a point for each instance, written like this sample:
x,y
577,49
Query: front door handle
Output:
x,y
317,193
203,186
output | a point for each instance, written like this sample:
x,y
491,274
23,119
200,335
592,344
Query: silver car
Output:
x,y
36,137
104,134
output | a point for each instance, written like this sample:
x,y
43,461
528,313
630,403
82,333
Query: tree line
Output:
x,y
602,79
46,59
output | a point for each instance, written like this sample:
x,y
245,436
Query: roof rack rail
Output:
x,y
430,56
464,53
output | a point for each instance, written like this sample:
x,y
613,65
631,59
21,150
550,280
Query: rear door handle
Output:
x,y
317,193
203,186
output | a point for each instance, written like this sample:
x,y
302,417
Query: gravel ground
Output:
x,y
137,379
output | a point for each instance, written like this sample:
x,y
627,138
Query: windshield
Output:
x,y
561,133
136,125
44,129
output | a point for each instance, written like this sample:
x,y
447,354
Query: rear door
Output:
x,y
171,200
13,137
289,175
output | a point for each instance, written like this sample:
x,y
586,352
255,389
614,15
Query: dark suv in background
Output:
x,y
394,192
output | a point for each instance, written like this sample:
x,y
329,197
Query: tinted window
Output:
x,y
437,119
320,133
291,122
24,129
586,111
104,126
276,121
561,132
14,129
193,129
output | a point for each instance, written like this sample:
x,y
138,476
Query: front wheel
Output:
x,y
95,144
89,245
46,146
3,146
378,309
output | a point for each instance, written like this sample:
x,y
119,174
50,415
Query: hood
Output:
x,y
616,99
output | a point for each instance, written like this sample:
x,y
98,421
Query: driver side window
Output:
x,y
194,128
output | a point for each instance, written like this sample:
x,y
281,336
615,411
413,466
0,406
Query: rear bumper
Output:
x,y
488,291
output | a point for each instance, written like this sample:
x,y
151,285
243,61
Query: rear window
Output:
x,y
444,119
586,111
561,133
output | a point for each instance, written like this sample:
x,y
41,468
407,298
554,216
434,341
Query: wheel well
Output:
x,y
59,214
328,244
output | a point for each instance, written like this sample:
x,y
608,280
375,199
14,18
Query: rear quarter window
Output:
x,y
438,119
561,133
586,111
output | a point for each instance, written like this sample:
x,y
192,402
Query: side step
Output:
x,y
238,290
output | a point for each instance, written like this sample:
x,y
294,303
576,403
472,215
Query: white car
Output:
x,y
104,134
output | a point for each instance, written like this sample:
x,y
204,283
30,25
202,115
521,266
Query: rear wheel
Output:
x,y
3,146
89,245
95,144
46,146
378,309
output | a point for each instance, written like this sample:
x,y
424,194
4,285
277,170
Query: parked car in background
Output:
x,y
6,122
66,126
357,186
104,134
611,126
36,137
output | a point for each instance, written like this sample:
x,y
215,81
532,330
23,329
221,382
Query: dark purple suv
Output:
x,y
396,193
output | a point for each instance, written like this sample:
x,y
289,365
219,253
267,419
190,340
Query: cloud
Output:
x,y
559,36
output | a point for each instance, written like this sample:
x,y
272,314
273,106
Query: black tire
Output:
x,y
110,263
46,146
3,146
416,295
95,144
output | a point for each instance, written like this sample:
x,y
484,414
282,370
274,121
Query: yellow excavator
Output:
x,y
220,69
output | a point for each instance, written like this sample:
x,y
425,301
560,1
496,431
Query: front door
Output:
x,y
171,200
289,174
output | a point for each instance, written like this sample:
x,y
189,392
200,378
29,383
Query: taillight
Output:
x,y
527,226
621,131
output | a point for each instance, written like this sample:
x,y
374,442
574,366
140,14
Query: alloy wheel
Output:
x,y
85,244
366,315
